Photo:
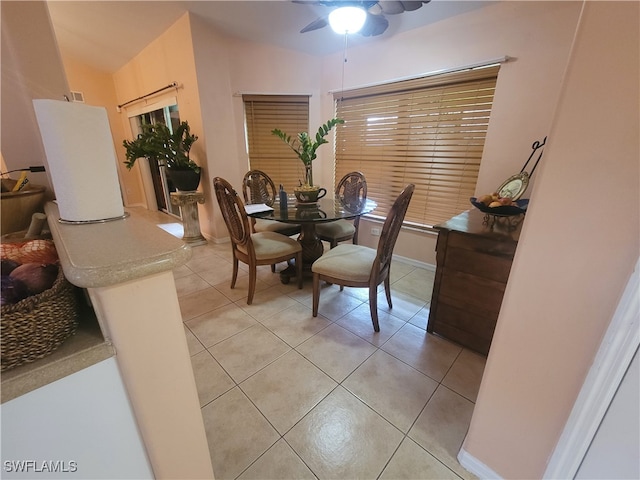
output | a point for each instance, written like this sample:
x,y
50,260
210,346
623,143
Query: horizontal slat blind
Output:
x,y
263,113
427,131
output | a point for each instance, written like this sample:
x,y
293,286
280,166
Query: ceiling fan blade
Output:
x,y
375,25
411,6
315,25
390,7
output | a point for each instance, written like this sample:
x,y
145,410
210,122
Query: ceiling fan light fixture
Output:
x,y
347,19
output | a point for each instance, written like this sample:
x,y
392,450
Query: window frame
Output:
x,y
441,158
266,152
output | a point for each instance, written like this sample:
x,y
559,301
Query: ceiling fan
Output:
x,y
375,23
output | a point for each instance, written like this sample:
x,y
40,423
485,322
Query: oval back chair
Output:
x,y
257,187
360,266
262,248
351,191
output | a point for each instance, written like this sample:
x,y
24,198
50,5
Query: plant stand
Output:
x,y
188,203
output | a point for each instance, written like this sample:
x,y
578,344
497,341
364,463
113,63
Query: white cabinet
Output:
x,y
80,426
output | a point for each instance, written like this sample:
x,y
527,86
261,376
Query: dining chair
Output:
x,y
351,191
257,187
261,248
360,266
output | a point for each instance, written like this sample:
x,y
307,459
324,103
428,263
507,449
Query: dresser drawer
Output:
x,y
471,290
481,244
478,263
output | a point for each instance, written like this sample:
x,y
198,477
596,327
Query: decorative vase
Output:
x,y
184,180
309,193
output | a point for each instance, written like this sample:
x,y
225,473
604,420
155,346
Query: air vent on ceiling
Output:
x,y
77,97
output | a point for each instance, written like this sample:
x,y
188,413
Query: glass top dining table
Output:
x,y
308,216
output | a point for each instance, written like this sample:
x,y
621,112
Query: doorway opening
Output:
x,y
162,186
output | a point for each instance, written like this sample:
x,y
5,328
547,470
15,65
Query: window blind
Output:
x,y
429,131
263,113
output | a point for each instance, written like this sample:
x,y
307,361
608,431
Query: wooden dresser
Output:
x,y
473,263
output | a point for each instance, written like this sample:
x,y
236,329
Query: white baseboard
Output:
x,y
415,263
475,466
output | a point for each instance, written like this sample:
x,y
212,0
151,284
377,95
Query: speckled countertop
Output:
x,y
93,256
103,254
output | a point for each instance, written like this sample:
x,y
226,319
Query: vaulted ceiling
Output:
x,y
107,34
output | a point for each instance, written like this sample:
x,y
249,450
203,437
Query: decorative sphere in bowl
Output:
x,y
519,208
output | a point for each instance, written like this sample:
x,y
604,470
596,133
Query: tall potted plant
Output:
x,y
305,147
157,143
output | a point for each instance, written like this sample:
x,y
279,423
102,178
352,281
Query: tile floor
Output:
x,y
288,396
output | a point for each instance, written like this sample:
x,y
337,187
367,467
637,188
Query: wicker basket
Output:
x,y
35,326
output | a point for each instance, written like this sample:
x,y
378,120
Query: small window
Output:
x,y
263,113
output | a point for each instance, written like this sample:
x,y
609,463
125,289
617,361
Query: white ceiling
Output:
x,y
107,34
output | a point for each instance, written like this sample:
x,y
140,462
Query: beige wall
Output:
x,y
98,90
537,35
226,68
31,68
167,59
577,250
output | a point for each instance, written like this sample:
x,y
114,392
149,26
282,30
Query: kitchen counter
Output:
x,y
126,267
95,255
103,254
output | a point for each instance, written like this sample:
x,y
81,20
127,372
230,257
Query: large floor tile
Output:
x,y
404,306
344,439
237,434
249,351
190,283
295,324
267,302
219,274
193,343
211,380
421,319
427,353
334,304
219,324
359,322
200,302
418,284
395,390
442,426
466,374
279,462
336,351
181,271
240,290
287,389
411,462
203,259
400,270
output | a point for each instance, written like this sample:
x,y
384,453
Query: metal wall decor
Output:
x,y
516,185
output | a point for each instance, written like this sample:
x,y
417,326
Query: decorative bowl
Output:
x,y
503,211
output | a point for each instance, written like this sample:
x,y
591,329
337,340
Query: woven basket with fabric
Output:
x,y
35,326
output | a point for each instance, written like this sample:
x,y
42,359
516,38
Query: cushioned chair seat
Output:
x,y
265,248
262,225
351,192
270,244
364,267
337,229
346,262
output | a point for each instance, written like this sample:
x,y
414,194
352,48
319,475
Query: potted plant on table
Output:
x,y
305,147
157,143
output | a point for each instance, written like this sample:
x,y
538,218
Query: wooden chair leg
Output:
x,y
273,268
373,307
299,269
234,275
387,290
252,284
316,293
